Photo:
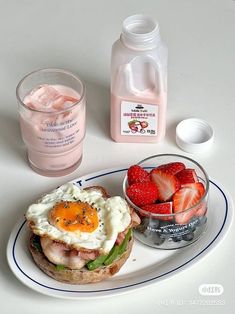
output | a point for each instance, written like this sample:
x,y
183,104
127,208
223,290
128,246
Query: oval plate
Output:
x,y
137,272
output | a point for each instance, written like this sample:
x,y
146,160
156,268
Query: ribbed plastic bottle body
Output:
x,y
138,91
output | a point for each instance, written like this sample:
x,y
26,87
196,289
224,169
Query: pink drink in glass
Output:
x,y
52,121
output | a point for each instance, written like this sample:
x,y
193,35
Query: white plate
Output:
x,y
138,272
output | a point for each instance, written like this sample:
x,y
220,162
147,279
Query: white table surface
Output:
x,y
77,35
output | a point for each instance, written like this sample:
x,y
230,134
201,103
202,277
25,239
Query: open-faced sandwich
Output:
x,y
80,236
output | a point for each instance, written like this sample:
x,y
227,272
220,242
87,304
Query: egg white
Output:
x,y
114,217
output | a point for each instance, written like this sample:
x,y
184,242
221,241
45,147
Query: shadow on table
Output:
x,y
170,132
98,104
10,137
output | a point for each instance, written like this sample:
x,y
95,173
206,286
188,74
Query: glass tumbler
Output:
x,y
52,113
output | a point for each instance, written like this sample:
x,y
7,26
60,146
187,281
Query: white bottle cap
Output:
x,y
194,135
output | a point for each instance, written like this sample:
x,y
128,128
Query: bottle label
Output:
x,y
139,119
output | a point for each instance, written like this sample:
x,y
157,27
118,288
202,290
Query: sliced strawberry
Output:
x,y
201,209
188,196
198,211
161,208
137,174
184,217
187,176
185,198
142,193
196,186
172,167
166,183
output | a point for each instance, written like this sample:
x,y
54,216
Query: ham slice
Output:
x,y
60,254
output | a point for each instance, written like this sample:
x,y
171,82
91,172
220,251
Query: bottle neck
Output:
x,y
140,32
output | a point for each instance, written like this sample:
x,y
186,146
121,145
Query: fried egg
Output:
x,y
79,218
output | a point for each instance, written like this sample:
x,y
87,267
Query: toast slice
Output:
x,y
78,276
83,275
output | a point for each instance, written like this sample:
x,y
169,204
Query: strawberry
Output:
x,y
166,183
184,217
142,193
172,167
188,196
187,176
201,209
185,198
196,186
182,200
160,208
137,174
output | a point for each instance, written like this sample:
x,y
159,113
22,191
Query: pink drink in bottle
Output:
x,y
138,83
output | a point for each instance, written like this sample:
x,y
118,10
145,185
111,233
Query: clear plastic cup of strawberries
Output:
x,y
169,192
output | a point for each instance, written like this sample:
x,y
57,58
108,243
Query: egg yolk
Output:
x,y
74,216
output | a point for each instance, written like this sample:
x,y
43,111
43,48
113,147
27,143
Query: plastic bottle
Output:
x,y
138,82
